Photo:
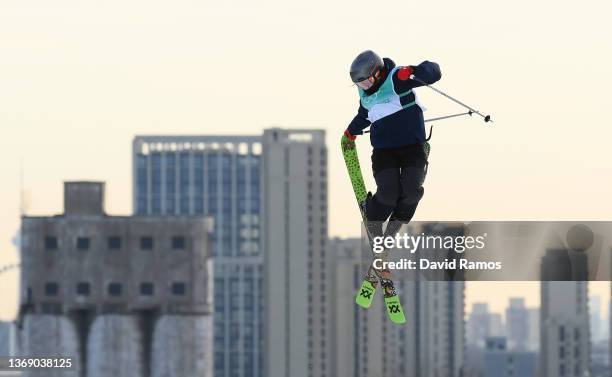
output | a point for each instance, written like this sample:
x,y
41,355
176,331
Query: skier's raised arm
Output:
x,y
358,123
428,72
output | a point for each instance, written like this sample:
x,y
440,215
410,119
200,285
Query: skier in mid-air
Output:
x,y
388,104
390,107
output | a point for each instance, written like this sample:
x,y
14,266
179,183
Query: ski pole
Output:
x,y
439,118
448,116
487,118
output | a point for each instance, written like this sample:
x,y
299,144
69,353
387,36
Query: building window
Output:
x,y
50,243
178,243
114,243
146,243
114,289
83,243
147,289
51,289
82,289
178,289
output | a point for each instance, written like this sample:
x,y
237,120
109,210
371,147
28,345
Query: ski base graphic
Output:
x,y
366,293
394,309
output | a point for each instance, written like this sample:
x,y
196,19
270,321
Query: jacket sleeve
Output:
x,y
359,122
428,72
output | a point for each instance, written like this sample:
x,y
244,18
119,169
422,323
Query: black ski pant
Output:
x,y
399,174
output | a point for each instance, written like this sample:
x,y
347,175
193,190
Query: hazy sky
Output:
x,y
78,79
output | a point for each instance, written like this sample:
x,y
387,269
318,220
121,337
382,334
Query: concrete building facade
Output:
x,y
564,318
439,311
595,319
103,289
297,268
517,324
5,338
218,177
440,341
478,325
358,337
501,362
533,321
497,325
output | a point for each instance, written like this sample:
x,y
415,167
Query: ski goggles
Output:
x,y
367,83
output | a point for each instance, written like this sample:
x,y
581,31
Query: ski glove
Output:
x,y
350,136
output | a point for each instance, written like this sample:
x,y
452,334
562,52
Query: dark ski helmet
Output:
x,y
365,65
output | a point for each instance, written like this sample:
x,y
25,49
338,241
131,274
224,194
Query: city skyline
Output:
x,y
84,77
557,299
477,294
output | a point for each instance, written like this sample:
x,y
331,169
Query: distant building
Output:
x,y
564,318
359,345
478,325
431,343
125,296
298,267
482,324
501,362
267,195
434,309
600,364
497,325
438,313
533,325
217,176
517,324
5,335
595,320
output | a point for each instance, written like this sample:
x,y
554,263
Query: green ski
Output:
x,y
365,296
368,287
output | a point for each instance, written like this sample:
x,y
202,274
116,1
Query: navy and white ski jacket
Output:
x,y
392,108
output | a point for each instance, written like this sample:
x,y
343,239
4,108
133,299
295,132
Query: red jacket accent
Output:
x,y
404,73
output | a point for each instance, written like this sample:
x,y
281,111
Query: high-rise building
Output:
x,y
439,312
564,318
533,324
501,362
497,325
124,296
431,343
440,326
595,318
5,336
360,349
299,333
517,324
478,325
219,177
